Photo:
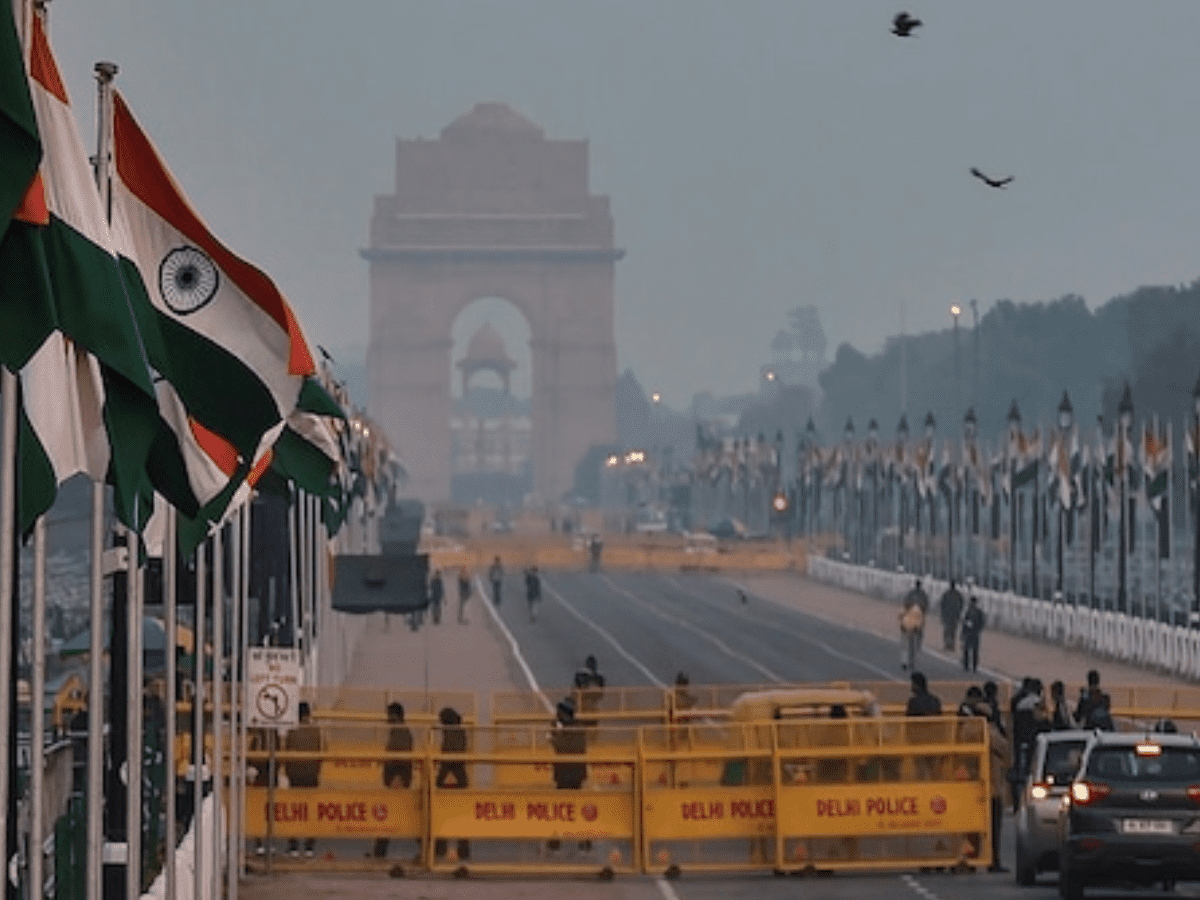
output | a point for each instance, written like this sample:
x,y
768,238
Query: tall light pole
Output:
x,y
1124,425
975,353
930,461
1014,429
970,455
846,491
1194,464
811,491
956,311
1066,419
872,449
902,477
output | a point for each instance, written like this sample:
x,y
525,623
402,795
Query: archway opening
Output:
x,y
491,419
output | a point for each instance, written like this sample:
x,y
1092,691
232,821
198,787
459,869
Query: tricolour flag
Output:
x,y
237,351
88,400
20,147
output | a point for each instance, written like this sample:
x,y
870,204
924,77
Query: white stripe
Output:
x,y
802,637
512,644
715,641
664,888
608,637
63,397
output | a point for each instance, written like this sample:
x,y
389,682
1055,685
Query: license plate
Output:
x,y
1147,826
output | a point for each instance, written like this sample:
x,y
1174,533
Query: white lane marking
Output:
x,y
683,623
918,887
666,890
938,654
604,634
512,644
832,651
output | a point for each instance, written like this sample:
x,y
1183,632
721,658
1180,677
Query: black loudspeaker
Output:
x,y
392,583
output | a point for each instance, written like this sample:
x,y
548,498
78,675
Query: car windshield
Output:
x,y
1062,761
1127,764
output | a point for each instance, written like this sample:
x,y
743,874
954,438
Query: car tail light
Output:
x,y
1085,792
1039,792
1193,793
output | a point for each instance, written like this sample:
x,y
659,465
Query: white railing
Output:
x,y
1171,649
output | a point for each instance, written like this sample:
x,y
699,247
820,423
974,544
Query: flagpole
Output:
x,y
95,751
218,701
170,554
133,735
8,570
37,715
198,726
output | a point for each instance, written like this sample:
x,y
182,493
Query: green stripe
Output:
x,y
19,145
38,485
26,309
315,399
300,461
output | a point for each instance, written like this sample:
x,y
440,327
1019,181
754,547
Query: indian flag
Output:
x,y
20,147
88,402
238,355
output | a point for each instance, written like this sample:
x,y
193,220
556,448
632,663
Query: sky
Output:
x,y
758,154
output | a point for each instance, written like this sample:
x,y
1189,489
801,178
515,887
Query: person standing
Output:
x,y
452,774
589,685
496,577
1089,699
951,608
568,739
397,773
973,622
437,593
912,626
464,594
306,773
1060,713
923,703
999,761
533,591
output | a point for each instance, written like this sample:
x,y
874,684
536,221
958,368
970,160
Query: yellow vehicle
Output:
x,y
804,703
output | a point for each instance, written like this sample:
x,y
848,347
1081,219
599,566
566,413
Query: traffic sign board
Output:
x,y
273,687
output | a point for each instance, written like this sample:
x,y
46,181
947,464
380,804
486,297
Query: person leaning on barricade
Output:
x,y
303,773
923,703
999,762
397,773
568,739
589,691
452,774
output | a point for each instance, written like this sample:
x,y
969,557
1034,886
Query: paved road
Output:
x,y
643,628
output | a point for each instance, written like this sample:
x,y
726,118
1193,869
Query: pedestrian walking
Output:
x,y
533,591
464,594
912,625
973,622
496,577
437,593
951,608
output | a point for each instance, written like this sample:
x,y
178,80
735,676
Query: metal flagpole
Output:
x,y
133,697
218,701
294,569
245,606
237,776
95,751
8,525
172,618
37,715
198,727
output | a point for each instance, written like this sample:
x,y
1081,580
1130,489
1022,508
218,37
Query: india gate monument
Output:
x,y
492,209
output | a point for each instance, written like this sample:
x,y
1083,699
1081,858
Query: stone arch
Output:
x,y
492,209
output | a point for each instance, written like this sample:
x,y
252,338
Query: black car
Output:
x,y
1133,813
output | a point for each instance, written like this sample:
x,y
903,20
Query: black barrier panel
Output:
x,y
392,583
400,530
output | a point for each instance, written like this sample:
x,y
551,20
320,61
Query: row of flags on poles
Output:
x,y
1074,473
149,354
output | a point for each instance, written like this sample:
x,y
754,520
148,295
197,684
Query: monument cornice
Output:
x,y
460,253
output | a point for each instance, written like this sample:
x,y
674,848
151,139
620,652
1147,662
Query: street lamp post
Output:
x,y
1124,424
971,454
811,503
1014,427
902,477
873,460
930,462
846,491
1066,419
1095,483
1194,462
956,311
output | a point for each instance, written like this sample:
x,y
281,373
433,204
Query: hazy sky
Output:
x,y
759,155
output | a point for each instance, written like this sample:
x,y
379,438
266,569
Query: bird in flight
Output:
x,y
992,182
903,24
